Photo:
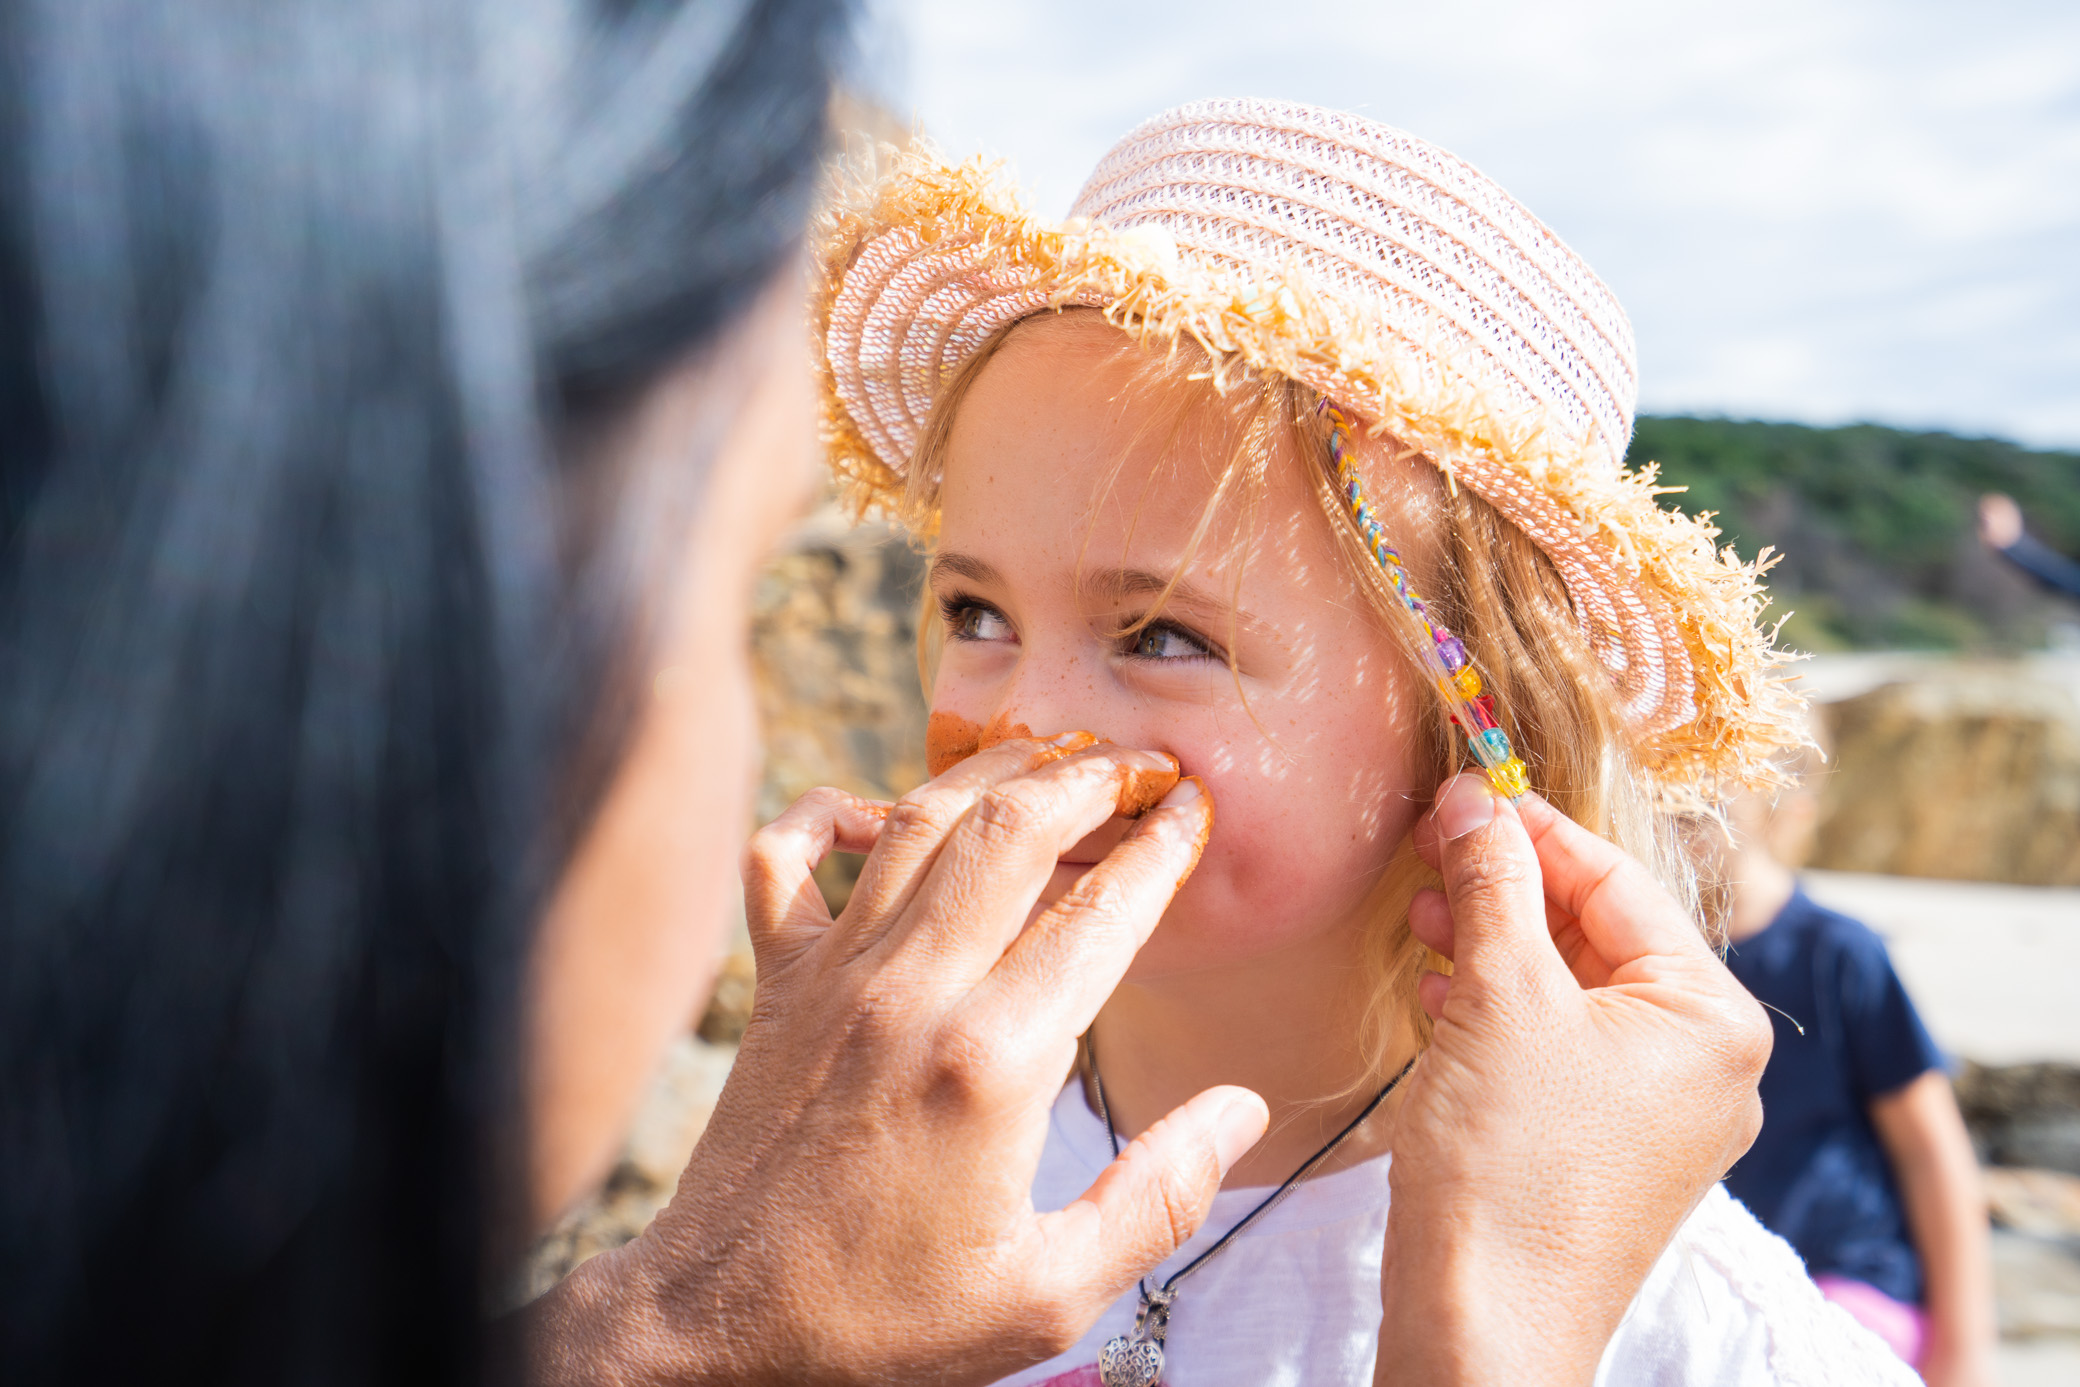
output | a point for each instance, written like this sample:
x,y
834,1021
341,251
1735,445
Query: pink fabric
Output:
x,y
1086,1376
1903,1327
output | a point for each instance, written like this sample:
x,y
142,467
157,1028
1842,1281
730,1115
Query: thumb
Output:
x,y
1491,876
1150,1200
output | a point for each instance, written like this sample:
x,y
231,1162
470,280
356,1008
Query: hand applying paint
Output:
x,y
900,1065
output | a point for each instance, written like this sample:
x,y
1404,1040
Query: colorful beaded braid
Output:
x,y
1450,669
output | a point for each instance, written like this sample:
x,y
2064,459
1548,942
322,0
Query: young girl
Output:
x,y
1296,455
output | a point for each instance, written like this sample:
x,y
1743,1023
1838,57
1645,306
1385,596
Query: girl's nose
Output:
x,y
1049,693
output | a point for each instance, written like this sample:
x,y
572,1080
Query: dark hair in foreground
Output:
x,y
293,647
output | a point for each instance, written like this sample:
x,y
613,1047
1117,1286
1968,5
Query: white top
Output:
x,y
1295,1300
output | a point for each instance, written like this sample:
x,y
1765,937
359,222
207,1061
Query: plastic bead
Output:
x,y
1486,703
1469,681
1450,650
1483,715
1510,778
1497,742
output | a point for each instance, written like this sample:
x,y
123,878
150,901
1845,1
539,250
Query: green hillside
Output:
x,y
1877,526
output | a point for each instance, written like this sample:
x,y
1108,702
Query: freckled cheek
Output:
x,y
1270,871
1283,862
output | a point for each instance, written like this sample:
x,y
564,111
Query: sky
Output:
x,y
1815,210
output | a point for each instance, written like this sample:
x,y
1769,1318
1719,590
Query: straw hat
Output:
x,y
1377,269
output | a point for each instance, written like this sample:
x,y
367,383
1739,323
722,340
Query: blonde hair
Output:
x,y
1493,586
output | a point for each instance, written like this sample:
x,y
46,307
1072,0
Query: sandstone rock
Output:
x,y
730,1008
674,1113
834,651
2023,1114
1970,773
2040,1203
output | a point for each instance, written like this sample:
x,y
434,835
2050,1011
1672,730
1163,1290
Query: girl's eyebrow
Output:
x,y
1121,583
952,564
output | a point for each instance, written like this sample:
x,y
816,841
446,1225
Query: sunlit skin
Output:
x,y
1063,514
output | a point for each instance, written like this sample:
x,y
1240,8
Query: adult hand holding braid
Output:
x,y
859,1209
1591,1074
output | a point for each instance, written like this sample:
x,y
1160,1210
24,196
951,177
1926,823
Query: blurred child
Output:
x,y
1863,1164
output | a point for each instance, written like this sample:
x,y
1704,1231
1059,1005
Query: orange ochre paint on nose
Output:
x,y
950,739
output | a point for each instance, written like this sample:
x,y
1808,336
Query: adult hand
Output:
x,y
1593,1073
859,1209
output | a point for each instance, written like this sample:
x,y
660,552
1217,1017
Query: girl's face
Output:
x,y
1067,504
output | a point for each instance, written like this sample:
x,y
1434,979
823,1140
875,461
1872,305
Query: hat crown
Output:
x,y
1414,238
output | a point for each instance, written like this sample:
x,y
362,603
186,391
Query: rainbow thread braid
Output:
x,y
1450,669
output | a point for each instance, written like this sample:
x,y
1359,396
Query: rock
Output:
x,y
2023,1114
2041,1203
673,1115
834,653
1970,772
730,1008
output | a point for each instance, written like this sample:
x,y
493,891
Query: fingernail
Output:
x,y
1236,1130
1183,792
1466,804
1071,739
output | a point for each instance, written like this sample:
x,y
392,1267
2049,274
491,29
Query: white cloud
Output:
x,y
1813,209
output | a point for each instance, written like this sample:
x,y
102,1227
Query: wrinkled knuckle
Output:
x,y
1753,1041
1103,895
1010,813
1484,873
924,812
1180,1204
966,1067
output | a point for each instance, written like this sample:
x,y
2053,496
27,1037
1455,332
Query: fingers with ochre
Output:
x,y
920,822
994,865
1073,956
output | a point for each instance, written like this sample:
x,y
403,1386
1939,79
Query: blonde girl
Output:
x,y
1297,455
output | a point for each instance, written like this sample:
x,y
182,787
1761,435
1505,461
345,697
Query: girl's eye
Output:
x,y
969,620
1164,641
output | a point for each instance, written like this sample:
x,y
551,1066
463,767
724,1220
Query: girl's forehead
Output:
x,y
1073,433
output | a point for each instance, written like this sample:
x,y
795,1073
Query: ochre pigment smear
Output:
x,y
1140,791
950,739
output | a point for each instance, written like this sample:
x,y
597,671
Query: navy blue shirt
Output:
x,y
1817,1176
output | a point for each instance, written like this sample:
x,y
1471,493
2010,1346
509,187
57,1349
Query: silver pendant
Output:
x,y
1136,1360
1127,1362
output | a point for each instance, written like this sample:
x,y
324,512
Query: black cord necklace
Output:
x,y
1136,1360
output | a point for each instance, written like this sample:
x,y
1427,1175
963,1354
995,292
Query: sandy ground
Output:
x,y
2039,1363
1994,969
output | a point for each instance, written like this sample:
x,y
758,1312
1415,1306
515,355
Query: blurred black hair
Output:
x,y
295,299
